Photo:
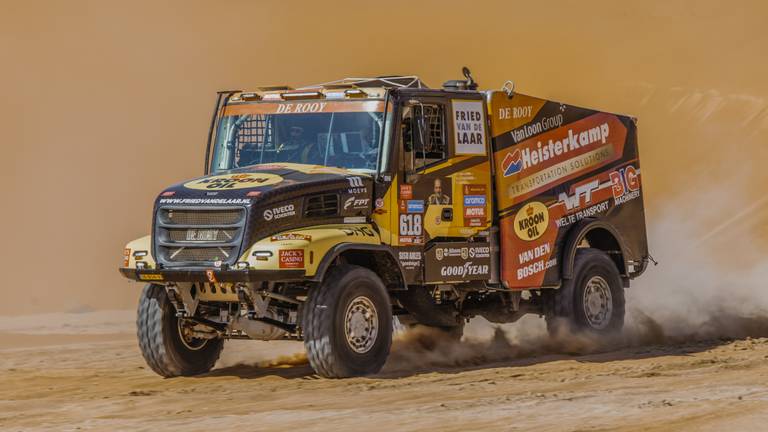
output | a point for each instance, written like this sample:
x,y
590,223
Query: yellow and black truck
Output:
x,y
328,210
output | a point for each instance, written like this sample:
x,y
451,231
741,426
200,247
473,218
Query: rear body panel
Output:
x,y
556,165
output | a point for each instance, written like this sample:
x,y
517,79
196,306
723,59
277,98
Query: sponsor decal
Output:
x,y
468,269
253,193
291,258
291,237
469,127
151,277
464,260
531,221
474,205
126,256
625,184
354,219
474,189
211,276
410,259
534,268
415,206
581,214
304,107
168,193
280,212
406,191
379,203
517,112
530,157
234,181
363,231
411,240
212,201
480,252
539,251
474,200
547,176
356,185
512,163
462,252
474,212
526,131
573,202
356,203
301,108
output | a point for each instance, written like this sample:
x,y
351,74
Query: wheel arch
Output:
x,y
378,258
600,235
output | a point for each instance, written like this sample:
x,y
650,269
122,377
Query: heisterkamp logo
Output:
x,y
520,159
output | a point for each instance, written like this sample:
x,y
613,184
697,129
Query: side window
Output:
x,y
423,135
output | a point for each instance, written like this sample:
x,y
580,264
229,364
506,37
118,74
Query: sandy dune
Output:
x,y
95,379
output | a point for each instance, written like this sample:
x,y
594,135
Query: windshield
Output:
x,y
343,134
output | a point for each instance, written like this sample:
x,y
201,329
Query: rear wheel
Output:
x,y
167,342
593,300
347,323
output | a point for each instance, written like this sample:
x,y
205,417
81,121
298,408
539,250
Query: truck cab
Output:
x,y
326,211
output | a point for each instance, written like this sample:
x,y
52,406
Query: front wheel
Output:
x,y
166,342
347,323
592,301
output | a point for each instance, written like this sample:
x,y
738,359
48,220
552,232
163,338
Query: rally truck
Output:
x,y
326,212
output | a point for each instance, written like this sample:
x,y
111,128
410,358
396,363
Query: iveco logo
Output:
x,y
280,212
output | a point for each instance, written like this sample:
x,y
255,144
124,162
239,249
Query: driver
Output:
x,y
290,150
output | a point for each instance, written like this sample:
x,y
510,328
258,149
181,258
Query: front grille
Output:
x,y
322,205
199,236
198,254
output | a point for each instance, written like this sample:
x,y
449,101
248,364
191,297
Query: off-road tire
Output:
x,y
567,308
162,345
324,317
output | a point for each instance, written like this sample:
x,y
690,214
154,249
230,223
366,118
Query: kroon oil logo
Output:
x,y
531,221
233,181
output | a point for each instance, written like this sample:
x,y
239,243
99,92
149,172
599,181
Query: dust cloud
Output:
x,y
106,103
696,294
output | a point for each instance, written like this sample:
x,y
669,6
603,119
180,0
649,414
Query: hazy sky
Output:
x,y
104,102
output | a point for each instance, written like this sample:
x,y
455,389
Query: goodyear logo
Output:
x,y
151,277
233,181
531,221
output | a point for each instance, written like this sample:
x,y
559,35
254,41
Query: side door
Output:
x,y
444,203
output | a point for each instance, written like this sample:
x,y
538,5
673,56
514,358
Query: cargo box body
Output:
x,y
558,167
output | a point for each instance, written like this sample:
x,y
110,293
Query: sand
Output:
x,y
93,379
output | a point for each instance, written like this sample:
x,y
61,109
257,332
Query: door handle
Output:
x,y
447,214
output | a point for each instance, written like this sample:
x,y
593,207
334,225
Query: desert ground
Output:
x,y
84,372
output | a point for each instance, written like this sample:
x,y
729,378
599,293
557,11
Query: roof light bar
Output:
x,y
303,95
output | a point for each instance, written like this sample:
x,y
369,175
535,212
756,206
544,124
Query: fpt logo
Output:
x,y
512,163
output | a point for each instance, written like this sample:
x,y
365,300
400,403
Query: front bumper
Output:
x,y
211,275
